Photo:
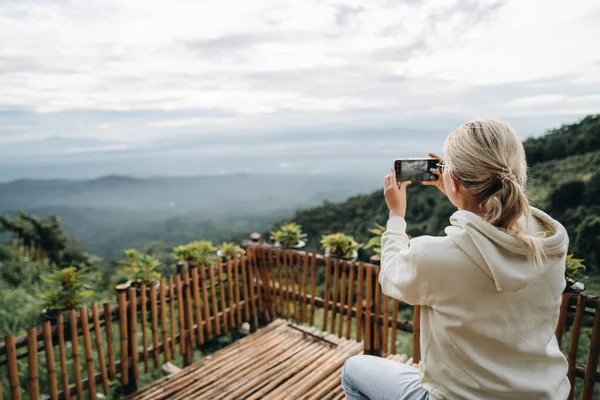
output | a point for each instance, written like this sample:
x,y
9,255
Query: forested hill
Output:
x,y
564,180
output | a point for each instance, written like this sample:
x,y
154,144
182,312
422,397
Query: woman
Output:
x,y
489,290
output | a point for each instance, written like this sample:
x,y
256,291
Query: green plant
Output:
x,y
375,241
140,269
231,249
574,272
68,291
340,245
288,235
196,253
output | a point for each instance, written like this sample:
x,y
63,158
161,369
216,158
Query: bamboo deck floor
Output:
x,y
278,361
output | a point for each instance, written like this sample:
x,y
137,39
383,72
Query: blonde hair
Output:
x,y
488,158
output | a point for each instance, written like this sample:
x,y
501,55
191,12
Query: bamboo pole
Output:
x,y
189,316
13,369
344,268
144,317
89,354
573,344
294,281
197,310
2,385
32,355
252,297
377,314
245,288
286,284
181,314
230,293
416,334
326,296
100,348
562,318
172,315
394,324
49,350
123,334
163,319
359,302
336,282
267,255
63,356
280,304
154,314
236,279
368,320
350,299
313,290
260,286
386,321
222,294
133,343
305,289
75,354
591,367
205,304
213,295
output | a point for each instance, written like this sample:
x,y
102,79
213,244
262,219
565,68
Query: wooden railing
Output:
x,y
88,351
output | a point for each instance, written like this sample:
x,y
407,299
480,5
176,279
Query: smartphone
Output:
x,y
415,169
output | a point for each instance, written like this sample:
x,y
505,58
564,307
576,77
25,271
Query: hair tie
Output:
x,y
506,175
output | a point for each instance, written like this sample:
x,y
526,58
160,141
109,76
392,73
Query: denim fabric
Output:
x,y
375,378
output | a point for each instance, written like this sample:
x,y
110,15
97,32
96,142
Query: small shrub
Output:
x,y
340,245
288,235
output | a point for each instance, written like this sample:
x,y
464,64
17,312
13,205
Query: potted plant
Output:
x,y
229,250
68,292
199,253
289,236
375,242
140,269
340,245
574,274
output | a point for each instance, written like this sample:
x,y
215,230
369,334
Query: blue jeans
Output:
x,y
375,378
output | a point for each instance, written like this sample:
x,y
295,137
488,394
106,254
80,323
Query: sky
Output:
x,y
108,79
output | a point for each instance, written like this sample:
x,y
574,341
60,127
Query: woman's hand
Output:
x,y
439,183
395,194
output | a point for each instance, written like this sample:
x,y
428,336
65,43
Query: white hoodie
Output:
x,y
488,313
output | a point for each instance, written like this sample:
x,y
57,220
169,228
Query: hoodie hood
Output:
x,y
504,258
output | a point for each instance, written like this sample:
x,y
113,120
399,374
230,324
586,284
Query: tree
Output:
x,y
588,241
567,195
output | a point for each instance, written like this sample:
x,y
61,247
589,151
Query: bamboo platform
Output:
x,y
280,361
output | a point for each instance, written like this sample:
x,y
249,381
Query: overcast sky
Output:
x,y
145,71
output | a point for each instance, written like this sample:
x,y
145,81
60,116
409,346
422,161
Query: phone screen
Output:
x,y
416,170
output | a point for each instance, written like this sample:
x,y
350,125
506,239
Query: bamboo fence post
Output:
x,y
267,292
89,355
359,302
63,356
121,297
386,321
394,324
222,295
213,300
377,313
258,286
144,317
181,314
75,354
313,290
50,366
286,286
350,299
336,281
100,348
575,332
252,295
2,385
190,338
245,288
236,279
327,290
197,311
13,369
294,291
229,268
112,370
368,320
344,268
172,315
592,361
163,319
132,325
416,334
32,356
304,289
266,266
205,304
154,314
562,318
281,302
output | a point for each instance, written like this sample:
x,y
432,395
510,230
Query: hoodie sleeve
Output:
x,y
400,277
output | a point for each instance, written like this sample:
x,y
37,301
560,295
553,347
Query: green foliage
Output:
x,y
288,234
196,253
68,290
575,270
568,195
375,241
140,269
231,250
588,240
340,245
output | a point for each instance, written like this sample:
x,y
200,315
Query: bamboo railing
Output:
x,y
83,351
